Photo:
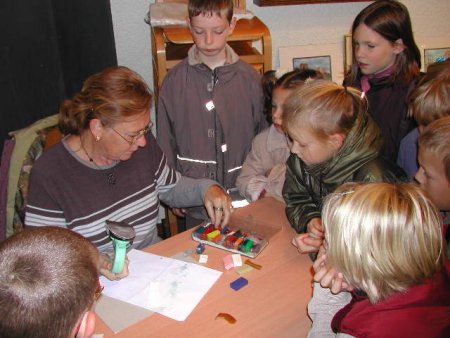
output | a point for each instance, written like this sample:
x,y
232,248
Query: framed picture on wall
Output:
x,y
431,55
348,52
320,63
326,58
432,49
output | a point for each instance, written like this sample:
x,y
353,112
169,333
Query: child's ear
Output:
x,y
399,46
87,326
337,140
232,25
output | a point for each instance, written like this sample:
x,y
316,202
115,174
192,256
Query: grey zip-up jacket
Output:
x,y
207,119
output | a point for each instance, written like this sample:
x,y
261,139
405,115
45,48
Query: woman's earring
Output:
x,y
97,138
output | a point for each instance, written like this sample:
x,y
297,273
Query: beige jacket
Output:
x,y
270,150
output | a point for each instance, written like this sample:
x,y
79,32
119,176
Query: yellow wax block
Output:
x,y
212,234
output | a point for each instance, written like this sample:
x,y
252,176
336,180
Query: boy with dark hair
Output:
x,y
48,284
210,104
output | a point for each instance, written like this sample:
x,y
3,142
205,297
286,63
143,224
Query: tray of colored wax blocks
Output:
x,y
244,236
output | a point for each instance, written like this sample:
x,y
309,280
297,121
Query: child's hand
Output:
x,y
328,277
314,228
305,243
105,266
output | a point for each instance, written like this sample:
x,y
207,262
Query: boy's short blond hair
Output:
x,y
383,237
210,7
431,99
435,138
324,107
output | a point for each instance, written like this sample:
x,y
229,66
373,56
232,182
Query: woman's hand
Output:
x,y
105,266
218,205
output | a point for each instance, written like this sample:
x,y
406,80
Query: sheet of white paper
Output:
x,y
180,285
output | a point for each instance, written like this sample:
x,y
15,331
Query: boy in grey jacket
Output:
x,y
211,104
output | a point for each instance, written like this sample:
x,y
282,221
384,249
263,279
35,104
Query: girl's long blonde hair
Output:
x,y
383,237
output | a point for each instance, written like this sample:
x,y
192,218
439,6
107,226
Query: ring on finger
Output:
x,y
218,208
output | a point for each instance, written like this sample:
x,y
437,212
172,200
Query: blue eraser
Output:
x,y
238,283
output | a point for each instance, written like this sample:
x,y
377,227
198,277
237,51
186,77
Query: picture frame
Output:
x,y
431,48
348,52
327,58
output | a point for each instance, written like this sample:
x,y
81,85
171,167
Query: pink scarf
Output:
x,y
365,84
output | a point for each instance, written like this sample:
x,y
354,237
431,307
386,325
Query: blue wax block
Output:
x,y
238,283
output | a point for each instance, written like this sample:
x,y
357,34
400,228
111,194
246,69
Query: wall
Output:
x,y
289,26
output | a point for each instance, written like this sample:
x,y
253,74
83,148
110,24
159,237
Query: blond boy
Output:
x,y
385,240
434,171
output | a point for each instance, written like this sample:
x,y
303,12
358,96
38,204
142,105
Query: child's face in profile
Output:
x,y
210,33
279,95
431,177
372,51
312,150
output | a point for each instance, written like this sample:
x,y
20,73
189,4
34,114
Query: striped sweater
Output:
x,y
67,192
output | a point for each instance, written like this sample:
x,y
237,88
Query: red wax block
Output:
x,y
238,283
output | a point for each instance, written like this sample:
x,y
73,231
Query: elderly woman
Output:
x,y
109,167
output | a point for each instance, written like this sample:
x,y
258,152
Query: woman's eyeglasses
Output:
x,y
136,137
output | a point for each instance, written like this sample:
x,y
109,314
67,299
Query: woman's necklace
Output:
x,y
110,176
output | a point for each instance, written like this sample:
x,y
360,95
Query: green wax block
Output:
x,y
247,245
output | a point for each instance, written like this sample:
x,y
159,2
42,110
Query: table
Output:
x,y
273,304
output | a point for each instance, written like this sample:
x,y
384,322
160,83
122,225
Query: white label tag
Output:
x,y
210,105
224,148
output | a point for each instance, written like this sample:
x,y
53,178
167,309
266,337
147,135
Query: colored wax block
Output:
x,y
229,241
237,260
237,242
213,234
238,233
247,245
228,262
218,239
200,229
208,229
203,259
238,283
242,270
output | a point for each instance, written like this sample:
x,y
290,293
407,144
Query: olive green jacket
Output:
x,y
356,161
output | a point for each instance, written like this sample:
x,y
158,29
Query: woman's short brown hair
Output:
x,y
110,96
